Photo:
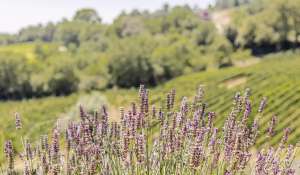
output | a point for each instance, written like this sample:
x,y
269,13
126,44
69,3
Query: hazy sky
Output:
x,y
15,14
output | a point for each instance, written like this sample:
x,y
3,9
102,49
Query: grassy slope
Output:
x,y
38,117
276,78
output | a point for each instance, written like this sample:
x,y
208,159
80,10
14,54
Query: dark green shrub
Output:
x,y
63,80
14,76
130,63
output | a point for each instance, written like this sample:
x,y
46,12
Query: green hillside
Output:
x,y
275,77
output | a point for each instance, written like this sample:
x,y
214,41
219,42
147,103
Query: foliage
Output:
x,y
87,15
14,76
63,80
188,142
125,26
23,78
222,49
130,63
171,59
155,46
204,34
6,39
39,32
171,36
269,25
68,33
224,4
241,55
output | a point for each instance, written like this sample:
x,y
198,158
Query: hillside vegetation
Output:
x,y
276,78
270,78
84,54
282,101
237,47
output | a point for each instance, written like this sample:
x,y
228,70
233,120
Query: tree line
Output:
x,y
83,53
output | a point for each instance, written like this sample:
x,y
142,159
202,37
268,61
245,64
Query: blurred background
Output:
x,y
55,55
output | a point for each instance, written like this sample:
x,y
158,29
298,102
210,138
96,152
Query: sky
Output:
x,y
15,14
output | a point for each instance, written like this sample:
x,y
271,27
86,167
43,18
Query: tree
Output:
x,y
182,19
130,62
221,50
128,25
91,32
295,20
14,76
272,25
62,79
87,15
68,33
30,33
171,59
224,4
204,33
48,32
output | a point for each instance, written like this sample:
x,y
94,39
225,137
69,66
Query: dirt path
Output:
x,y
234,82
221,19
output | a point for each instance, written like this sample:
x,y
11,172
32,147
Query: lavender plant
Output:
x,y
173,139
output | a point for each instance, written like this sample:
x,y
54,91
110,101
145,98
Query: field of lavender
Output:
x,y
163,140
177,133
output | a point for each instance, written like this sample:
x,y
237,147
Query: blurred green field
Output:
x,y
276,77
